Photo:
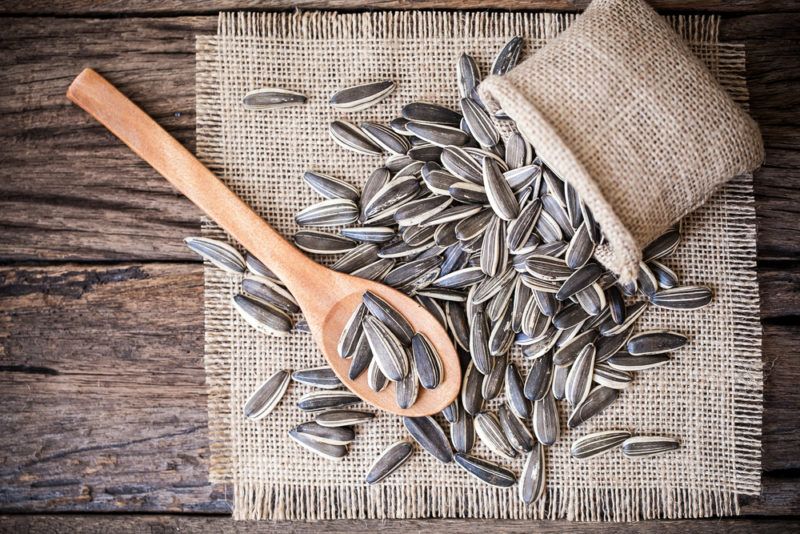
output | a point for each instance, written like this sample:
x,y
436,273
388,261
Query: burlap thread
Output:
x,y
709,396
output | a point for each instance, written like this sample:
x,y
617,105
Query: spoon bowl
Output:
x,y
326,297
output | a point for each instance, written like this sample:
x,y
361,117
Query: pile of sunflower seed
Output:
x,y
501,251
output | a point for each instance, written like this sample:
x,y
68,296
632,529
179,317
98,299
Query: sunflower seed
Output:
x,y
339,418
417,211
387,349
579,379
597,443
368,234
573,206
462,433
646,280
545,420
457,323
407,389
317,242
427,360
514,430
579,280
376,181
515,397
390,317
627,362
342,435
532,483
547,268
268,291
349,136
616,303
430,436
375,270
321,400
655,342
559,387
438,134
488,428
272,98
494,254
580,248
389,461
468,192
520,229
607,346
267,395
452,213
501,303
427,152
360,359
519,153
361,97
441,293
501,198
538,348
330,187
471,396
394,193
662,246
401,249
479,343
502,336
415,236
221,255
467,74
493,383
592,299
480,124
508,57
486,471
537,383
639,446
321,377
408,272
255,266
430,113
352,332
460,164
376,380
262,316
386,138
609,328
452,412
598,399
682,298
667,279
607,376
326,450
569,316
568,353
548,228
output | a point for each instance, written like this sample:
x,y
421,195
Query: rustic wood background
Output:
x,y
102,406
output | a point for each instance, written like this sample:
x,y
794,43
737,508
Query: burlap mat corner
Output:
x,y
711,396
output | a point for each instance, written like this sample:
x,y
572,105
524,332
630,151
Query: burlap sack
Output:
x,y
619,106
709,395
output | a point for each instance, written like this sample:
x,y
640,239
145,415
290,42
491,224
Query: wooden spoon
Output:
x,y
327,298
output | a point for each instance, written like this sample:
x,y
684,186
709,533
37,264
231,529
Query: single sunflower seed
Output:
x,y
597,443
486,471
267,395
272,98
389,461
430,436
639,446
221,255
361,97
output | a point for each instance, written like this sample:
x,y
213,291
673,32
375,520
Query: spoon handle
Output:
x,y
165,154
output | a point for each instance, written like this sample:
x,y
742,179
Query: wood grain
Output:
x,y
101,524
95,377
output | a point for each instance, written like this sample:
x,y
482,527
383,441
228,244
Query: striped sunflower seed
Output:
x,y
592,299
646,280
616,304
493,383
460,164
519,153
573,206
579,379
457,323
255,266
655,342
486,471
667,279
389,461
537,383
471,395
430,113
559,386
597,443
352,332
386,138
407,389
317,242
221,255
263,317
607,376
627,362
515,395
375,270
417,211
462,433
548,228
568,353
580,249
368,234
468,192
502,336
682,298
491,433
349,136
514,430
508,57
480,124
267,395
342,435
375,182
272,98
376,380
427,152
520,229
501,197
330,187
430,436
639,446
569,316
438,134
394,193
452,412
479,343
579,280
356,258
427,360
322,400
662,246
321,377
533,479
598,399
632,313
268,291
326,450
389,316
361,97
467,75
339,418
387,349
546,425
607,346
360,359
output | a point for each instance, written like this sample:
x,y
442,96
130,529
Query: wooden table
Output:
x,y
103,424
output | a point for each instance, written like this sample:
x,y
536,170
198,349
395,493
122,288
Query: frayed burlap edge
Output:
x,y
313,502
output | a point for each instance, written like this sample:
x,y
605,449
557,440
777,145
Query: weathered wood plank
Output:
x,y
70,191
101,524
188,7
103,393
104,404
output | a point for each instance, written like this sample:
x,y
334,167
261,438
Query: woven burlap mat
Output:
x,y
709,395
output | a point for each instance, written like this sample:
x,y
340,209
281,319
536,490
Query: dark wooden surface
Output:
x,y
101,379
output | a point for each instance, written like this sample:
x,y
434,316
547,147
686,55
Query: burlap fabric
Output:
x,y
618,105
709,396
